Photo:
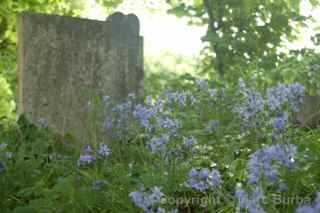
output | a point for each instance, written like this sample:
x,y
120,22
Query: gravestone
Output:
x,y
65,61
309,114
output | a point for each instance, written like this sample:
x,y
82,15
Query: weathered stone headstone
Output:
x,y
64,61
309,113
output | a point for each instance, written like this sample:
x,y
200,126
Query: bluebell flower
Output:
x,y
2,167
193,100
202,84
251,203
87,149
215,178
190,142
144,115
149,100
168,123
138,199
282,94
204,173
86,160
306,209
250,108
242,85
161,210
103,150
212,126
280,123
193,173
213,93
156,195
266,161
106,100
177,97
3,145
146,200
204,179
108,124
99,184
312,208
158,145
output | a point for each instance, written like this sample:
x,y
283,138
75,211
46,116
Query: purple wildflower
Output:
x,y
99,184
251,203
279,123
285,94
85,160
313,208
87,149
248,110
146,200
202,84
168,123
177,97
212,126
215,178
144,115
266,161
204,179
103,150
189,142
158,145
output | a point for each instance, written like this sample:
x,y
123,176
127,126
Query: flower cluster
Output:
x,y
266,161
177,97
251,203
120,125
315,208
279,123
88,157
168,123
144,115
252,105
159,144
285,94
148,200
204,179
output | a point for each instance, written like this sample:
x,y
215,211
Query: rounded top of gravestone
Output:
x,y
124,25
132,21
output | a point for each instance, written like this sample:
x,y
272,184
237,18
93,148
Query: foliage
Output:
x,y
206,148
6,102
167,70
243,31
109,3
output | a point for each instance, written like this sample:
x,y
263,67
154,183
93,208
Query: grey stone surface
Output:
x,y
64,62
309,114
